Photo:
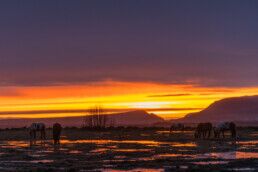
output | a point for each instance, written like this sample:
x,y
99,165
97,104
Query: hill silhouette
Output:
x,y
242,109
137,118
131,118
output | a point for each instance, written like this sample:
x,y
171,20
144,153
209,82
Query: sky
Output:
x,y
58,58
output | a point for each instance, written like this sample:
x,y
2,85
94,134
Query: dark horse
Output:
x,y
34,128
203,130
177,127
57,129
223,127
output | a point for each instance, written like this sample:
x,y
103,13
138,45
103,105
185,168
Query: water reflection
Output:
x,y
190,144
159,156
75,152
243,169
99,150
229,155
98,142
116,151
249,142
42,161
210,162
173,132
14,144
132,150
134,170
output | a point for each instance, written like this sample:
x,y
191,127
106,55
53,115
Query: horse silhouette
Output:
x,y
223,127
57,129
33,129
203,130
177,127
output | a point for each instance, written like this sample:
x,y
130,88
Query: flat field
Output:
x,y
129,149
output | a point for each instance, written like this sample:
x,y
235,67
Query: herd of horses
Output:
x,y
204,130
41,129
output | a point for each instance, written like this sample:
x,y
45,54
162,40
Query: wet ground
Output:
x,y
142,151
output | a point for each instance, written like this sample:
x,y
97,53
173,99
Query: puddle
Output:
x,y
46,151
75,152
144,159
136,151
243,169
99,142
143,142
191,144
42,161
229,155
134,170
37,155
32,161
172,132
14,144
132,150
119,157
216,155
210,162
252,142
99,150
170,155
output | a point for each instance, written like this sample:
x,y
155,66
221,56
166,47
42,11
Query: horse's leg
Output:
x,y
233,131
34,137
43,136
31,138
59,135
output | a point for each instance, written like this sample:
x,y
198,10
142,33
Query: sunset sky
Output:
x,y
169,57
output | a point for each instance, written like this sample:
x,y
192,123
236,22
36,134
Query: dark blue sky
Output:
x,y
208,43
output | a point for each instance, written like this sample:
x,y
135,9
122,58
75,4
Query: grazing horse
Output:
x,y
37,127
177,127
225,126
57,129
202,130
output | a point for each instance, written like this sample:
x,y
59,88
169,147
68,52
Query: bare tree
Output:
x,y
96,118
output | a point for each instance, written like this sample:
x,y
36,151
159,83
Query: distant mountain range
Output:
x,y
241,109
135,118
132,118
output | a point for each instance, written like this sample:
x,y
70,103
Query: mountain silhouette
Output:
x,y
131,118
138,117
243,109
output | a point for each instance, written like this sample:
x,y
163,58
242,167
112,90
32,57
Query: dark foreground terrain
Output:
x,y
129,149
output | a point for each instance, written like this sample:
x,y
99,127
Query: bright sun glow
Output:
x,y
150,105
167,101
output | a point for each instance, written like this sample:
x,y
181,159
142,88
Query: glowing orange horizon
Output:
x,y
114,95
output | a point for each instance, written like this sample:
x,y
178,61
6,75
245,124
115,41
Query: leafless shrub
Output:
x,y
96,118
